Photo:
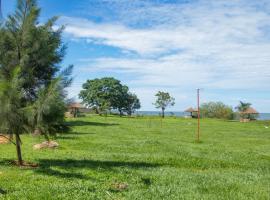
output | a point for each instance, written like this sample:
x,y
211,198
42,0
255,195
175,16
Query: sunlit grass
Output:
x,y
150,158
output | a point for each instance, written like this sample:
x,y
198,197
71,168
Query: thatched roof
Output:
x,y
75,105
190,110
250,110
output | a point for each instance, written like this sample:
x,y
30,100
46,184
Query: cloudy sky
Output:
x,y
222,46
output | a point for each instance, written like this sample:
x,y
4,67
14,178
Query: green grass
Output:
x,y
156,161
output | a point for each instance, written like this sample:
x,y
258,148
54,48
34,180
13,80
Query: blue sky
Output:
x,y
176,46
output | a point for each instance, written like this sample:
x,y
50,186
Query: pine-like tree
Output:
x,y
30,54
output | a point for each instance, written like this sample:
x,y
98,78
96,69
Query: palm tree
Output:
x,y
243,106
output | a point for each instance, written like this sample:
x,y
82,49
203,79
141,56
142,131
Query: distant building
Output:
x,y
249,114
193,112
74,109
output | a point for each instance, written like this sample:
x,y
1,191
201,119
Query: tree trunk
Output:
x,y
163,109
18,148
120,113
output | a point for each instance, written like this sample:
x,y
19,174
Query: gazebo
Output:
x,y
191,111
74,108
246,115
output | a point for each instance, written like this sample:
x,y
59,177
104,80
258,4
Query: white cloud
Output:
x,y
213,44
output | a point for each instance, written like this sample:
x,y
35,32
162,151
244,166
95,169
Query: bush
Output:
x,y
216,110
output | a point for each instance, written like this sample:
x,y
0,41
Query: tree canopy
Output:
x,y
36,48
108,93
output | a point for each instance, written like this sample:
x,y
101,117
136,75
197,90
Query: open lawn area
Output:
x,y
142,158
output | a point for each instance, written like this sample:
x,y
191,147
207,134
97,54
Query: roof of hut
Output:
x,y
75,105
191,110
250,110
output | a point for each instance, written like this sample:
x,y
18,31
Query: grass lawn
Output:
x,y
138,158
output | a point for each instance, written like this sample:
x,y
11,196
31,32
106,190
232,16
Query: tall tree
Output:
x,y
163,101
30,54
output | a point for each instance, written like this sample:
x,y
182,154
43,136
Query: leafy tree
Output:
x,y
132,104
105,94
216,110
163,101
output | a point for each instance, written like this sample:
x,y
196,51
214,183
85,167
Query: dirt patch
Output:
x,y
24,164
4,139
118,187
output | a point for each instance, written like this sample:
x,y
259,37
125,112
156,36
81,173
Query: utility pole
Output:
x,y
198,104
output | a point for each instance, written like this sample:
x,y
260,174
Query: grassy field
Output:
x,y
142,158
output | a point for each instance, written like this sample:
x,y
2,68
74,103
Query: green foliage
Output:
x,y
243,106
216,110
13,114
132,103
36,48
32,94
163,101
108,93
49,109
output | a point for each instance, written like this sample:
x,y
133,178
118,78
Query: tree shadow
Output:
x,y
73,134
2,191
65,137
85,123
66,168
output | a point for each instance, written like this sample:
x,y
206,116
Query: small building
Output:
x,y
249,114
74,109
193,112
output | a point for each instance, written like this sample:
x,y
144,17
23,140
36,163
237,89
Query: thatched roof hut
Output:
x,y
191,111
74,108
250,110
75,105
249,114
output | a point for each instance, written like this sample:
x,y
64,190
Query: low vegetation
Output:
x,y
144,158
216,110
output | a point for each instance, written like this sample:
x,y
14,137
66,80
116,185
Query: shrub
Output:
x,y
216,110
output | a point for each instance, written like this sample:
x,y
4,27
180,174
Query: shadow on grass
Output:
x,y
2,191
67,137
66,168
73,134
85,123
